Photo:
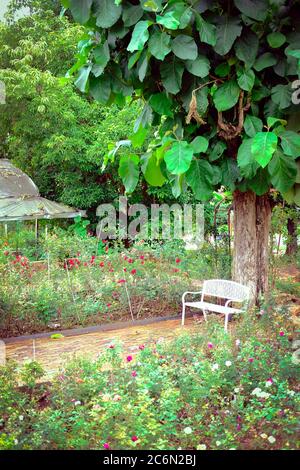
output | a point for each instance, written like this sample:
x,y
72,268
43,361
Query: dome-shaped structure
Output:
x,y
20,198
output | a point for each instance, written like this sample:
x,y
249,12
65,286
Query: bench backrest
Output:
x,y
226,290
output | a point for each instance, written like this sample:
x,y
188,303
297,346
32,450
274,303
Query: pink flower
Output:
x,y
130,260
141,347
121,281
124,269
210,345
133,271
129,358
101,264
281,333
142,257
134,373
251,359
178,260
108,305
106,445
134,438
111,346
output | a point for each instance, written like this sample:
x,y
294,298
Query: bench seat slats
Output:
x,y
213,307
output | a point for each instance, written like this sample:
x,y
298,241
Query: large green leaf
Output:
x,y
132,14
246,80
100,89
252,125
263,146
228,30
217,151
276,39
264,61
199,144
256,9
139,36
102,56
159,45
129,171
290,142
144,119
161,104
171,74
246,162
184,47
107,13
226,96
282,96
83,78
246,48
207,31
230,173
81,10
178,158
199,67
142,65
152,171
283,171
168,20
200,178
260,184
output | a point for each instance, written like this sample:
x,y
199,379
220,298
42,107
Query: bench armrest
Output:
x,y
190,292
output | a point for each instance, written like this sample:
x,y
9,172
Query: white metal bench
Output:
x,y
227,290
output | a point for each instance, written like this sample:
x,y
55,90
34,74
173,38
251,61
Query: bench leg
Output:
x,y
183,313
226,321
204,314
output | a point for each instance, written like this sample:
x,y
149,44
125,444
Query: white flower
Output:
x,y
263,436
256,391
228,363
271,439
215,367
263,395
237,342
16,441
76,403
236,390
201,447
21,418
188,430
218,443
269,383
291,393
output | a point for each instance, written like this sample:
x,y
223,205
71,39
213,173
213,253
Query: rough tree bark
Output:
x,y
252,218
292,244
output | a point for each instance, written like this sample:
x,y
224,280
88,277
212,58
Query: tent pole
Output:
x,y
36,229
5,230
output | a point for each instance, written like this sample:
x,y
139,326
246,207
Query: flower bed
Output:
x,y
74,288
209,390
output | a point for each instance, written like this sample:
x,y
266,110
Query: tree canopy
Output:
x,y
214,76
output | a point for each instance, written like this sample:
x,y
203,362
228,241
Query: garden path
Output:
x,y
52,353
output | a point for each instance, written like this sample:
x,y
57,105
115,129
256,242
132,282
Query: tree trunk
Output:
x,y
292,244
252,219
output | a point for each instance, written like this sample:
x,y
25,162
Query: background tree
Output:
x,y
216,77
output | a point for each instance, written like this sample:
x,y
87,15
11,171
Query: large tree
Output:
x,y
216,77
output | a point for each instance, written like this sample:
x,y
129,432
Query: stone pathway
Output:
x,y
52,353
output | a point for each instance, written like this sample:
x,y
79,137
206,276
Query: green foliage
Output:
x,y
53,133
164,52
